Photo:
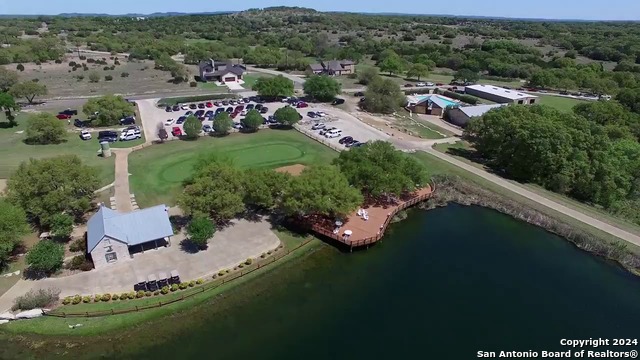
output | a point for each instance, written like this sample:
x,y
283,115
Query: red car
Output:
x,y
239,108
233,115
176,131
209,105
302,105
63,116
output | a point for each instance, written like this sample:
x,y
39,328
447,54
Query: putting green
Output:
x,y
159,171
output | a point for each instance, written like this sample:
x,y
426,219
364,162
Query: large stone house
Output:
x,y
220,71
114,237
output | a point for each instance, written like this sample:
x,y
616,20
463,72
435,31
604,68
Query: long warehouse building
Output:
x,y
501,95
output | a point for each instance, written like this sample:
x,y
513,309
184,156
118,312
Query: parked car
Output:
x,y
321,114
239,108
225,102
237,126
69,112
346,140
169,122
243,113
208,104
337,101
85,135
362,99
250,106
176,108
312,114
428,83
128,120
219,110
326,129
201,106
207,128
108,135
334,133
168,109
176,131
184,107
233,115
216,103
358,93
246,100
258,106
209,114
439,84
264,110
79,123
421,84
188,113
233,102
193,106
181,120
353,143
130,135
63,116
199,113
408,85
318,126
302,104
229,110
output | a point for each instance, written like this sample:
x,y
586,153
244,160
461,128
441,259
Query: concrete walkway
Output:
x,y
122,195
229,247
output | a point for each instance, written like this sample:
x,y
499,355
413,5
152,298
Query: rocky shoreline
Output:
x,y
455,189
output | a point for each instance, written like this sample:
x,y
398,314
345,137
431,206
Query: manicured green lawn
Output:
x,y
13,150
159,171
250,79
212,86
559,103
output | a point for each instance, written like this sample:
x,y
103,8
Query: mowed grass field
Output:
x,y
13,150
158,172
251,78
560,103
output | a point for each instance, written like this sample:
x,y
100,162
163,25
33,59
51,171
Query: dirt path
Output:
x,y
122,194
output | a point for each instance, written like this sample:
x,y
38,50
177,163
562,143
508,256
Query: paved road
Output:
x,y
121,183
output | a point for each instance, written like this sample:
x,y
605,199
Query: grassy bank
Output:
x,y
101,326
159,171
455,189
559,103
437,166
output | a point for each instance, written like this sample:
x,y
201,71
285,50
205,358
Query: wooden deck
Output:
x,y
365,232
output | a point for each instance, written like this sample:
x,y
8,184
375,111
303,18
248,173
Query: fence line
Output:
x,y
196,291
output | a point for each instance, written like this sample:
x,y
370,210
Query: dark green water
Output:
x,y
443,285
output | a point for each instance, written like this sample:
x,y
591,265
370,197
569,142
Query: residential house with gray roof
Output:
x,y
220,71
334,67
114,237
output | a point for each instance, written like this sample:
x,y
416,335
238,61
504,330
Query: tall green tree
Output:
x,y
630,98
45,257
44,128
264,188
216,190
418,71
222,123
108,109
61,184
381,171
28,90
8,78
321,190
287,116
200,230
8,105
192,127
13,226
322,87
61,226
367,75
252,121
383,96
272,87
466,76
393,64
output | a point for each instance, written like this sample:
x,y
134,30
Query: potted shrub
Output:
x,y
86,299
174,287
106,297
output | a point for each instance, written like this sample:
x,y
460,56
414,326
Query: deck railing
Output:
x,y
372,239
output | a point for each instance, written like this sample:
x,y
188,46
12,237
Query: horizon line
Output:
x,y
157,13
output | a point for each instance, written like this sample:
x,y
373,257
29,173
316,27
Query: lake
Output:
x,y
444,284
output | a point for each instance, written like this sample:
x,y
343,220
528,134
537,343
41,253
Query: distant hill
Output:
x,y
120,15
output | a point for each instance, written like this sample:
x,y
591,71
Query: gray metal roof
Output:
x,y
502,92
473,111
316,67
132,228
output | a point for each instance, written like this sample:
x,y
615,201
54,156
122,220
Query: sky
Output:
x,y
547,9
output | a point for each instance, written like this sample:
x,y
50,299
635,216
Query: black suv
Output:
x,y
337,101
128,120
69,112
108,135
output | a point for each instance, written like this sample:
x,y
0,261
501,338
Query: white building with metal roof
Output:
x,y
460,116
500,95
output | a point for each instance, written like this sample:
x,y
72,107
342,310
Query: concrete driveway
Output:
x,y
228,248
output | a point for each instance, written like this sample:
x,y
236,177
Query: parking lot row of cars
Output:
x,y
132,132
333,132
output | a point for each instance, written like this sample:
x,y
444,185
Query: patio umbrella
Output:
x,y
348,232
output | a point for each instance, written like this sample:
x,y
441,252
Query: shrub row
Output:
x,y
77,299
465,98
